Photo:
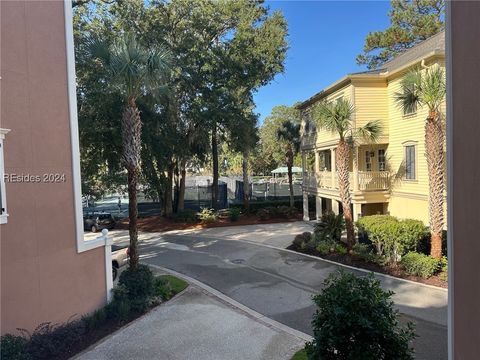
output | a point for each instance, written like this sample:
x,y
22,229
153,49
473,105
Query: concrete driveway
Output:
x,y
197,326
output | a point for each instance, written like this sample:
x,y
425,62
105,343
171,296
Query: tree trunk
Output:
x,y
176,187
215,168
168,191
246,185
181,192
434,147
290,175
131,142
342,160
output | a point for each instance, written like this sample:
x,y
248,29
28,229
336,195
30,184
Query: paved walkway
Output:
x,y
197,326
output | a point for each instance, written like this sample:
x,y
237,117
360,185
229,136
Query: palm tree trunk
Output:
x,y
246,187
434,142
181,192
342,160
290,175
131,141
215,168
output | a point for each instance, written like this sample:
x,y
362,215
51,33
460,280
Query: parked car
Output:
x,y
95,221
119,259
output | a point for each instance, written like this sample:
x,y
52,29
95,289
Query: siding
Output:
x,y
371,104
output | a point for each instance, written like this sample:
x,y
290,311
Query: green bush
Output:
x,y
420,264
139,285
391,237
365,253
301,239
330,227
286,212
208,215
325,247
13,347
119,308
234,214
255,206
94,320
341,249
162,288
345,327
187,215
51,341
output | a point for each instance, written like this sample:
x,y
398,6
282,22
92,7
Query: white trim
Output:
x,y
75,144
450,180
102,240
3,190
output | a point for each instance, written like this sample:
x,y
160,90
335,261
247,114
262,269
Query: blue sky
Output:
x,y
324,39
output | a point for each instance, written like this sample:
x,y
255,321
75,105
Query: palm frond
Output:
x,y
433,88
370,132
408,98
335,117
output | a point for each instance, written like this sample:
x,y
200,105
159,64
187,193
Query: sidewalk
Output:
x,y
199,326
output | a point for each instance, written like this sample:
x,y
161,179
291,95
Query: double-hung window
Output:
x,y
368,160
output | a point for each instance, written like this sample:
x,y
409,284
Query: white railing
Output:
x,y
373,180
367,180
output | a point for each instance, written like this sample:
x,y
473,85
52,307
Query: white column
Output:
x,y
318,207
306,215
357,211
334,166
335,207
317,161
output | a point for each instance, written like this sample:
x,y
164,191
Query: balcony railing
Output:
x,y
367,180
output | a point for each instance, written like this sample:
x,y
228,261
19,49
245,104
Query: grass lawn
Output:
x,y
300,355
177,285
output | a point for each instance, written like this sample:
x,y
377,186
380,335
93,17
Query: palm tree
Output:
x,y
427,88
289,134
134,71
337,117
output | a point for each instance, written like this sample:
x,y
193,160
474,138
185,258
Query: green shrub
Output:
x,y
345,327
341,249
234,214
95,320
119,308
420,264
299,242
162,288
265,213
13,347
391,237
208,215
139,285
325,247
187,215
286,212
365,253
51,341
330,227
255,206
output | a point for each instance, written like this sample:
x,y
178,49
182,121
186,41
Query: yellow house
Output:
x,y
390,176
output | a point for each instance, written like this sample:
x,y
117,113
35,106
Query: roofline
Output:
x,y
346,80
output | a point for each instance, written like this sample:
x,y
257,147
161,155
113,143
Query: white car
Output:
x,y
119,258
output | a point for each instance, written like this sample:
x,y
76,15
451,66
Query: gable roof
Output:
x,y
432,45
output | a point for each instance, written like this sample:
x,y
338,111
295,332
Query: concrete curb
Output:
x,y
235,304
318,259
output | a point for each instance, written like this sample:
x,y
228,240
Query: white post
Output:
x,y
318,207
306,215
108,264
335,207
357,211
317,161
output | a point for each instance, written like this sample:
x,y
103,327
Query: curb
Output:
x,y
235,304
318,259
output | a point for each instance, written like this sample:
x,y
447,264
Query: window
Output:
x,y
3,197
410,162
368,160
381,160
410,107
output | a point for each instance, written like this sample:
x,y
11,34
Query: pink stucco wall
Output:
x,y
43,278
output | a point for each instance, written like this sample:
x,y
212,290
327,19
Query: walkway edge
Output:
x,y
256,315
316,258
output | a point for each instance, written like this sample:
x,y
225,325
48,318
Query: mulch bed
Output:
x,y
160,224
395,271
